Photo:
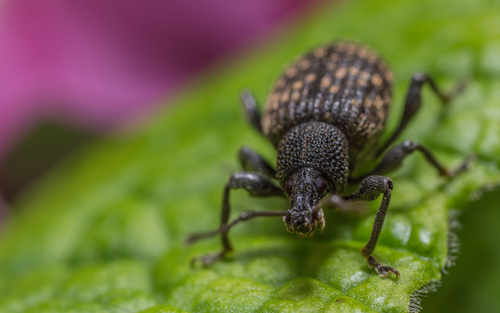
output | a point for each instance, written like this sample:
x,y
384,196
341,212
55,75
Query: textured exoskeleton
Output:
x,y
325,115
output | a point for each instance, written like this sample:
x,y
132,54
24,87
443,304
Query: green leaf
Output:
x,y
104,231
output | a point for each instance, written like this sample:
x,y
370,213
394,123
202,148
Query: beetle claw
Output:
x,y
382,270
206,259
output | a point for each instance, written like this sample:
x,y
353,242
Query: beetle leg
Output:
x,y
413,101
394,158
223,230
251,110
334,201
370,189
253,162
257,185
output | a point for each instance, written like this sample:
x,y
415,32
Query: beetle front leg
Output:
x,y
370,189
257,185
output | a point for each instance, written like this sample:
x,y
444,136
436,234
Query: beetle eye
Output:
x,y
288,187
321,184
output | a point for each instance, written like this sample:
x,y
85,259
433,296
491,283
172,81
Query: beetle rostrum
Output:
x,y
308,153
325,116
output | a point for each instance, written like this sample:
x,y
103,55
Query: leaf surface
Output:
x,y
104,231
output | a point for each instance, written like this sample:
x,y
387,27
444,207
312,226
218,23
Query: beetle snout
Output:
x,y
299,222
302,219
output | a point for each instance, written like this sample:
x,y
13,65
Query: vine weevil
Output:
x,y
325,116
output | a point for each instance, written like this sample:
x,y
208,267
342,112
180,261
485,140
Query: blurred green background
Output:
x,y
473,284
102,232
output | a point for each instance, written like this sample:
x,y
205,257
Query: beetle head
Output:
x,y
304,188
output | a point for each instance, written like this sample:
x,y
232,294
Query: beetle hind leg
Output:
x,y
250,109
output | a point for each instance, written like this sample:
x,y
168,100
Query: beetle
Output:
x,y
325,116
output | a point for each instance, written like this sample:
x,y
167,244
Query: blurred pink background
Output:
x,y
97,64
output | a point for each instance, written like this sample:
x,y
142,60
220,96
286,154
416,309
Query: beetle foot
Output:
x,y
382,270
337,202
207,259
459,88
465,166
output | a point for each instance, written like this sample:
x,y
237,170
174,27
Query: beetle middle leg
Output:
x,y
394,158
413,101
257,185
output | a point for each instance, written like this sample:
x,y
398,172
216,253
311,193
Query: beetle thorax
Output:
x,y
315,145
